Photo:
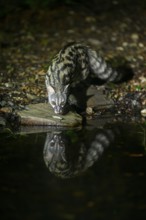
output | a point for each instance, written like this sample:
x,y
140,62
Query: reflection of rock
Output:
x,y
67,153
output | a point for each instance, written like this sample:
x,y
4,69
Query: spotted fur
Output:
x,y
70,66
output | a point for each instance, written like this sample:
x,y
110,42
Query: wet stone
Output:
x,y
41,114
97,99
143,112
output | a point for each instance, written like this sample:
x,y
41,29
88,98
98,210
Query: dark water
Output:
x,y
93,173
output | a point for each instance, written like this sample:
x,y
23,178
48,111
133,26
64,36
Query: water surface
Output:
x,y
91,173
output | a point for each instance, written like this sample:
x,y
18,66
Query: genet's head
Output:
x,y
57,99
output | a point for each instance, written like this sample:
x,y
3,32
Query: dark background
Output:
x,y
33,31
8,6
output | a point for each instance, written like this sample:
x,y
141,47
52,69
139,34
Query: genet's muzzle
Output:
x,y
58,110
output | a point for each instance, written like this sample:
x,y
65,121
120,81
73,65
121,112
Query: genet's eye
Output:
x,y
62,103
61,143
52,143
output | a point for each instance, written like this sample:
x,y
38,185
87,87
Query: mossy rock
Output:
x,y
41,114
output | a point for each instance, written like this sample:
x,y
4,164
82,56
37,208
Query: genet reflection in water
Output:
x,y
69,153
114,186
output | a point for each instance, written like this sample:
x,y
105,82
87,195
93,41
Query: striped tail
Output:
x,y
101,69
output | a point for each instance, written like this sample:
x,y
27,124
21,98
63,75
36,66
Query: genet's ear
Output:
x,y
65,88
50,89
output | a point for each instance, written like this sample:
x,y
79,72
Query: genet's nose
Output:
x,y
58,110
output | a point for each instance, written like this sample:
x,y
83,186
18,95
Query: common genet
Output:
x,y
70,66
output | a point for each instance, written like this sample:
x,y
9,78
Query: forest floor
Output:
x,y
30,38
